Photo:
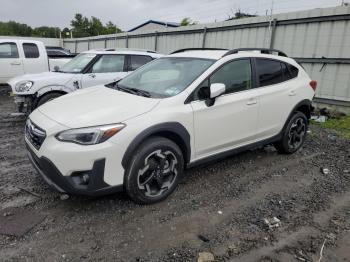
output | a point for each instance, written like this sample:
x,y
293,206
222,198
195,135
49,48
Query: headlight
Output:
x,y
89,135
24,86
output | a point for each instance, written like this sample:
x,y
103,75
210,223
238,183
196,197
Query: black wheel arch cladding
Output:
x,y
304,106
172,130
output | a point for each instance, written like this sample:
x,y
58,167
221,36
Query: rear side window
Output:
x,y
269,72
30,50
137,61
8,50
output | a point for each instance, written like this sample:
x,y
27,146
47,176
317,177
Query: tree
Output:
x,y
15,29
45,31
83,26
80,26
65,32
111,28
187,21
239,15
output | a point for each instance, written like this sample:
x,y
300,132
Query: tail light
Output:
x,y
313,84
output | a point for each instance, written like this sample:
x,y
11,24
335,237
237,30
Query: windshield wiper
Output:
x,y
140,92
133,91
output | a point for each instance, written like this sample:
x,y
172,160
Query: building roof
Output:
x,y
168,24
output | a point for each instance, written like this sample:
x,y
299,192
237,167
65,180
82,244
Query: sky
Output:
x,y
130,13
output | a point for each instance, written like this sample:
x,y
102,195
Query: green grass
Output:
x,y
341,125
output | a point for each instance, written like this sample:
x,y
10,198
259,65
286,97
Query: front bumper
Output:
x,y
24,103
73,184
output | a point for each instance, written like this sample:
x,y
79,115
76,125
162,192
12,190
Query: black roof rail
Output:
x,y
198,49
140,50
262,50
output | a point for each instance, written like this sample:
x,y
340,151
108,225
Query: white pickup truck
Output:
x,y
90,68
19,57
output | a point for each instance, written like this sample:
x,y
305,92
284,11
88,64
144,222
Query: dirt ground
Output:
x,y
218,208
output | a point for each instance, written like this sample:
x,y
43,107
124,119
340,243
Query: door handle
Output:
x,y
252,101
16,63
292,93
92,75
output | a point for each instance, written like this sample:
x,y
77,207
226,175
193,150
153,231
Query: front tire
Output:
x,y
48,97
155,171
293,135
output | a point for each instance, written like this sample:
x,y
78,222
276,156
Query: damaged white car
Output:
x,y
95,67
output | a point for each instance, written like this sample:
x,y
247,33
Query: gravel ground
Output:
x,y
218,208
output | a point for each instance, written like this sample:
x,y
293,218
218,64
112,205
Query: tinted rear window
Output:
x,y
269,72
137,61
30,50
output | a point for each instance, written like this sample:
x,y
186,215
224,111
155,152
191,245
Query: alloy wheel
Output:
x,y
158,173
296,133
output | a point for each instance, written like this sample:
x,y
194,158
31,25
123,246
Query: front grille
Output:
x,y
34,134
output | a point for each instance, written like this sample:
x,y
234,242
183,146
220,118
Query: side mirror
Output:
x,y
216,90
56,68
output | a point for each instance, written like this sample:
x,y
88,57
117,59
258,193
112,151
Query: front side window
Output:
x,y
236,75
269,72
109,64
8,50
166,77
137,61
78,63
30,50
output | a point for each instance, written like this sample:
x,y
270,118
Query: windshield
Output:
x,y
77,64
166,77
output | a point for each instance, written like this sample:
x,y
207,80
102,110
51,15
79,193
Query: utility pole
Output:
x,y
270,22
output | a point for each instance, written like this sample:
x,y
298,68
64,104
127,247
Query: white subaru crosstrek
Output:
x,y
139,134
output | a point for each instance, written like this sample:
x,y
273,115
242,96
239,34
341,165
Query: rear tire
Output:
x,y
155,171
294,134
46,98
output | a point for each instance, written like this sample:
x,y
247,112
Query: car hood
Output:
x,y
44,79
95,106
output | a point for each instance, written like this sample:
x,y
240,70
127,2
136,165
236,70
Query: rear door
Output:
x,y
276,95
34,58
136,61
10,61
108,68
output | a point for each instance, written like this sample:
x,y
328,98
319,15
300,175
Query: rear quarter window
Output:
x,y
293,70
30,50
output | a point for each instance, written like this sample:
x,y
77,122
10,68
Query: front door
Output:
x,y
10,62
107,69
232,121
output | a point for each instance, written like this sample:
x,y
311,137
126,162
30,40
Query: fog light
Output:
x,y
85,179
